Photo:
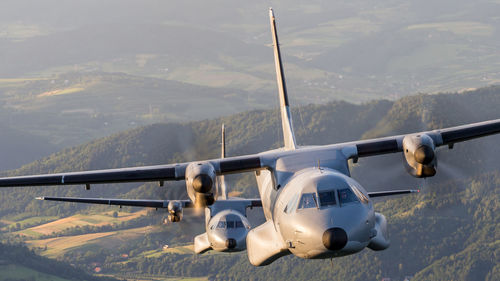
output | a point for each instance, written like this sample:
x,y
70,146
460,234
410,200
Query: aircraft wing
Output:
x,y
119,202
448,136
392,192
159,173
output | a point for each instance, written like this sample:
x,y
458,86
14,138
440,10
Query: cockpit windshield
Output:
x,y
308,200
230,224
327,198
346,196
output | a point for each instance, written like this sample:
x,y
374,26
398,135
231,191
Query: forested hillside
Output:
x,y
451,230
18,263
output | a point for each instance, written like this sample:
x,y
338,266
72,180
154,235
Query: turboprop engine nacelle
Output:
x,y
174,211
419,152
200,180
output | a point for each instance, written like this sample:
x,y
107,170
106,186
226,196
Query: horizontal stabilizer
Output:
x,y
392,192
119,202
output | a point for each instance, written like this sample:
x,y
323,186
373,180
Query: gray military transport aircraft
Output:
x,y
313,208
226,223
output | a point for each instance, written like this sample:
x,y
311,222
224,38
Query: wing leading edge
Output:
x,y
119,202
159,173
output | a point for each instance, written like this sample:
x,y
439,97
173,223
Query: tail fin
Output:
x,y
286,117
222,182
223,142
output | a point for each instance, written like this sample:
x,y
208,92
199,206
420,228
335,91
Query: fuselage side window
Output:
x,y
346,196
327,198
230,224
308,200
239,224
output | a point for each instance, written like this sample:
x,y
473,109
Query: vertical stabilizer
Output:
x,y
222,181
223,142
286,117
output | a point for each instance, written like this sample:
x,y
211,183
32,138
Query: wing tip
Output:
x,y
40,198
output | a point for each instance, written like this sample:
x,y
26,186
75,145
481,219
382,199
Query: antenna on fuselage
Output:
x,y
286,117
319,165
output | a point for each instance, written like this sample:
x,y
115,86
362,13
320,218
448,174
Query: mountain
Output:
x,y
448,231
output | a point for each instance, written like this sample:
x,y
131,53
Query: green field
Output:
x,y
29,222
56,247
146,277
58,225
17,272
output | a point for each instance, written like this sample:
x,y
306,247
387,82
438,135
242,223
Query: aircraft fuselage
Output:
x,y
226,227
316,209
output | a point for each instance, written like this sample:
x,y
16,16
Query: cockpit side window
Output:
x,y
346,196
308,200
327,198
292,204
239,224
360,195
230,224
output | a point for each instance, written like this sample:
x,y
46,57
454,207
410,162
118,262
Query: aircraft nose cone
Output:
x,y
231,243
334,238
